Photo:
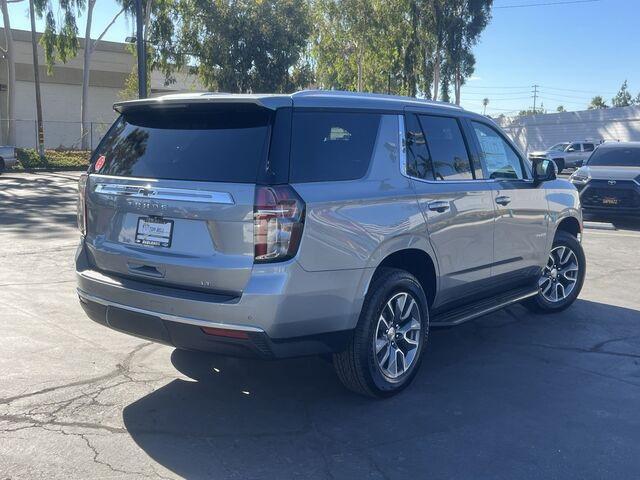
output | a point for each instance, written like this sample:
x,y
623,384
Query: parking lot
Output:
x,y
511,395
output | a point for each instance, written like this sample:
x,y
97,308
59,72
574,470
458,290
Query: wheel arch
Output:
x,y
412,254
571,225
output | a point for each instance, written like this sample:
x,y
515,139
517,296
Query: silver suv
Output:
x,y
567,154
318,223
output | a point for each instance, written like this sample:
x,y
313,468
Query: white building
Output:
x,y
537,132
111,64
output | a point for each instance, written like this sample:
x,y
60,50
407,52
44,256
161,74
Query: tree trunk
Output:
x,y
436,75
11,75
458,85
360,69
36,77
86,73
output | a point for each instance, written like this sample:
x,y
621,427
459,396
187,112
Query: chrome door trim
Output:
x,y
150,192
403,162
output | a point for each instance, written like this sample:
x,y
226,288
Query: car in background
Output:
x,y
609,182
567,154
7,157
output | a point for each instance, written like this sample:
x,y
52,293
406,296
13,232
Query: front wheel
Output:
x,y
562,277
384,355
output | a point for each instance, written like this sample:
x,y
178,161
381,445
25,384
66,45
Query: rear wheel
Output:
x,y
562,277
385,352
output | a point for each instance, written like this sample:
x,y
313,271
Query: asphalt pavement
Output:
x,y
509,396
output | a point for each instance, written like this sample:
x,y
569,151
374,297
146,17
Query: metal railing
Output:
x,y
58,134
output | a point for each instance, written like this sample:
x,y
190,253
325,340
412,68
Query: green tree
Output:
x,y
560,109
233,45
623,97
597,102
464,22
60,42
366,45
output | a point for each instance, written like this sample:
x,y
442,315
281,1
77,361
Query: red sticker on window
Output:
x,y
100,163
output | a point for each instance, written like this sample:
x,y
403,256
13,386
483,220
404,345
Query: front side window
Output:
x,y
499,158
575,147
332,146
449,157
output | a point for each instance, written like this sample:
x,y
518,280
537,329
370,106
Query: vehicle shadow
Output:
x,y
503,385
38,206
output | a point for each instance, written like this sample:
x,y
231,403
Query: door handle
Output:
x,y
503,200
438,206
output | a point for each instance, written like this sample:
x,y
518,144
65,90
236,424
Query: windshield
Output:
x,y
559,147
615,157
194,143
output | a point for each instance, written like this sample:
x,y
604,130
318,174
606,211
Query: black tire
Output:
x,y
357,366
559,165
539,304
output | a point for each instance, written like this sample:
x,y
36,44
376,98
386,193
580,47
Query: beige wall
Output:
x,y
111,64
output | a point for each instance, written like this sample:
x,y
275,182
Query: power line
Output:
x,y
547,4
577,91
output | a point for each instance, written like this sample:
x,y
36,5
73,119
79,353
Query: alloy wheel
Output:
x,y
560,275
397,335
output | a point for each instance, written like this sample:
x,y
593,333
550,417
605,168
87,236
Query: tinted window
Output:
x,y
616,156
497,155
329,146
574,147
588,147
205,144
447,148
418,158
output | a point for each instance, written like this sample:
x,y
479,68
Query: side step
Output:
x,y
477,309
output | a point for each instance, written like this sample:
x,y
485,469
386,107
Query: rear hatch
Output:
x,y
171,193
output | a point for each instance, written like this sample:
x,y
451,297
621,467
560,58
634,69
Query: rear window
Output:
x,y
223,144
331,146
615,157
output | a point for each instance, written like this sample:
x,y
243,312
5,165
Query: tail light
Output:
x,y
278,218
82,205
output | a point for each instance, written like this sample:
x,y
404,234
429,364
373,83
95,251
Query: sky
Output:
x,y
572,49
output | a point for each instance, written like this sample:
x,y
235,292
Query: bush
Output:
x,y
28,159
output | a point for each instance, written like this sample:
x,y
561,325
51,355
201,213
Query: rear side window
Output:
x,y
588,147
418,158
448,151
331,146
224,144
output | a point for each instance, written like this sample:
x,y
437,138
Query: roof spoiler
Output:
x,y
271,102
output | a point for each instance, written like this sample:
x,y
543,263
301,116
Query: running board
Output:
x,y
474,310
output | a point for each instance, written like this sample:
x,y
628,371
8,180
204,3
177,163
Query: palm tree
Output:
x,y
485,102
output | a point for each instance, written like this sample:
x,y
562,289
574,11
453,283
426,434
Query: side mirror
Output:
x,y
544,170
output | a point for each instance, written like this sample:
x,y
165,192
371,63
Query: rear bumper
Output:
x,y
284,310
248,343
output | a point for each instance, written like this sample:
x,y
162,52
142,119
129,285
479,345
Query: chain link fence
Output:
x,y
60,135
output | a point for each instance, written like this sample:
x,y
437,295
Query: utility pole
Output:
x,y
535,97
142,52
36,74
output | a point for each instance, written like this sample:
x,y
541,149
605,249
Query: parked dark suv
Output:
x,y
318,223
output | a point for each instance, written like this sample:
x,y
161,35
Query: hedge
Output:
x,y
28,159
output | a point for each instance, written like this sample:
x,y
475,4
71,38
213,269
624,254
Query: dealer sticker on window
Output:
x,y
154,231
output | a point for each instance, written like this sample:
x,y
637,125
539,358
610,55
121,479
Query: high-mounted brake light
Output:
x,y
278,219
82,203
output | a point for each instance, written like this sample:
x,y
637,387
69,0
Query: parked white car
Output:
x,y
567,154
7,157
